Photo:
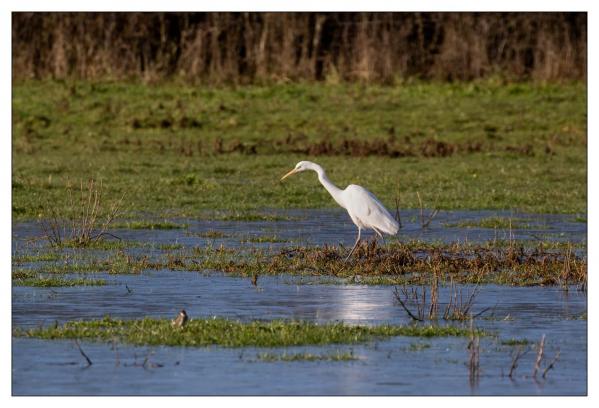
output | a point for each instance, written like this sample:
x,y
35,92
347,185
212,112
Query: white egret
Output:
x,y
364,209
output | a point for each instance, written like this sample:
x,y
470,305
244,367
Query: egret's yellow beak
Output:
x,y
289,174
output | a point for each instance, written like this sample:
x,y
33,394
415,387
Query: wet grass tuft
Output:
x,y
210,234
54,281
290,357
229,333
38,257
152,225
251,217
418,346
260,239
515,342
495,223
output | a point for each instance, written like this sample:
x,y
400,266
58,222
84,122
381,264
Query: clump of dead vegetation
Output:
x,y
415,264
85,218
408,263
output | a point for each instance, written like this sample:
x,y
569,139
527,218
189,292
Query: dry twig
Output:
x,y
540,352
89,362
551,364
425,223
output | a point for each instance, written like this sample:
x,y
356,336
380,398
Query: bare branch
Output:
x,y
540,352
551,364
403,305
89,362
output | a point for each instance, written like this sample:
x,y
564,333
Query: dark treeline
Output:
x,y
254,47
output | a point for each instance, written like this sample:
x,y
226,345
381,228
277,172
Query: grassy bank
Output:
x,y
174,149
229,333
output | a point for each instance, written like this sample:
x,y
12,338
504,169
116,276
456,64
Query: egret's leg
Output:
x,y
379,234
355,245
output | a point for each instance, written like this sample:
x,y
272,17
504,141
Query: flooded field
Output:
x,y
513,318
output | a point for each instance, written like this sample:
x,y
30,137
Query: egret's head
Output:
x,y
301,166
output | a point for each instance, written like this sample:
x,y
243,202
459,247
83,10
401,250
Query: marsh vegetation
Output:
x,y
135,199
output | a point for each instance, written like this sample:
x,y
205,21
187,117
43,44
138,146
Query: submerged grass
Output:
x,y
229,333
209,234
515,342
108,244
289,357
152,225
251,217
418,346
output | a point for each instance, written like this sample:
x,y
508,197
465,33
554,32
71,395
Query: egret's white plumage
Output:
x,y
365,210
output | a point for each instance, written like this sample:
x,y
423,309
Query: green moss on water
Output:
x,y
230,333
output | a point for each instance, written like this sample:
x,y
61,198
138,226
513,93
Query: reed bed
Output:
x,y
257,47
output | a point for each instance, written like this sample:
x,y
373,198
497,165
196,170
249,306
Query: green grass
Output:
x,y
515,342
117,262
263,239
229,333
158,225
250,217
107,244
210,234
289,357
37,257
496,223
418,346
54,281
61,136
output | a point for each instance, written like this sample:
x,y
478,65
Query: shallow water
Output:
x,y
389,367
318,227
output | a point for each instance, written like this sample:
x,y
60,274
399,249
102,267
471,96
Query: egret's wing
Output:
x,y
371,212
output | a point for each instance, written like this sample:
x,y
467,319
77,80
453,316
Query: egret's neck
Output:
x,y
333,190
